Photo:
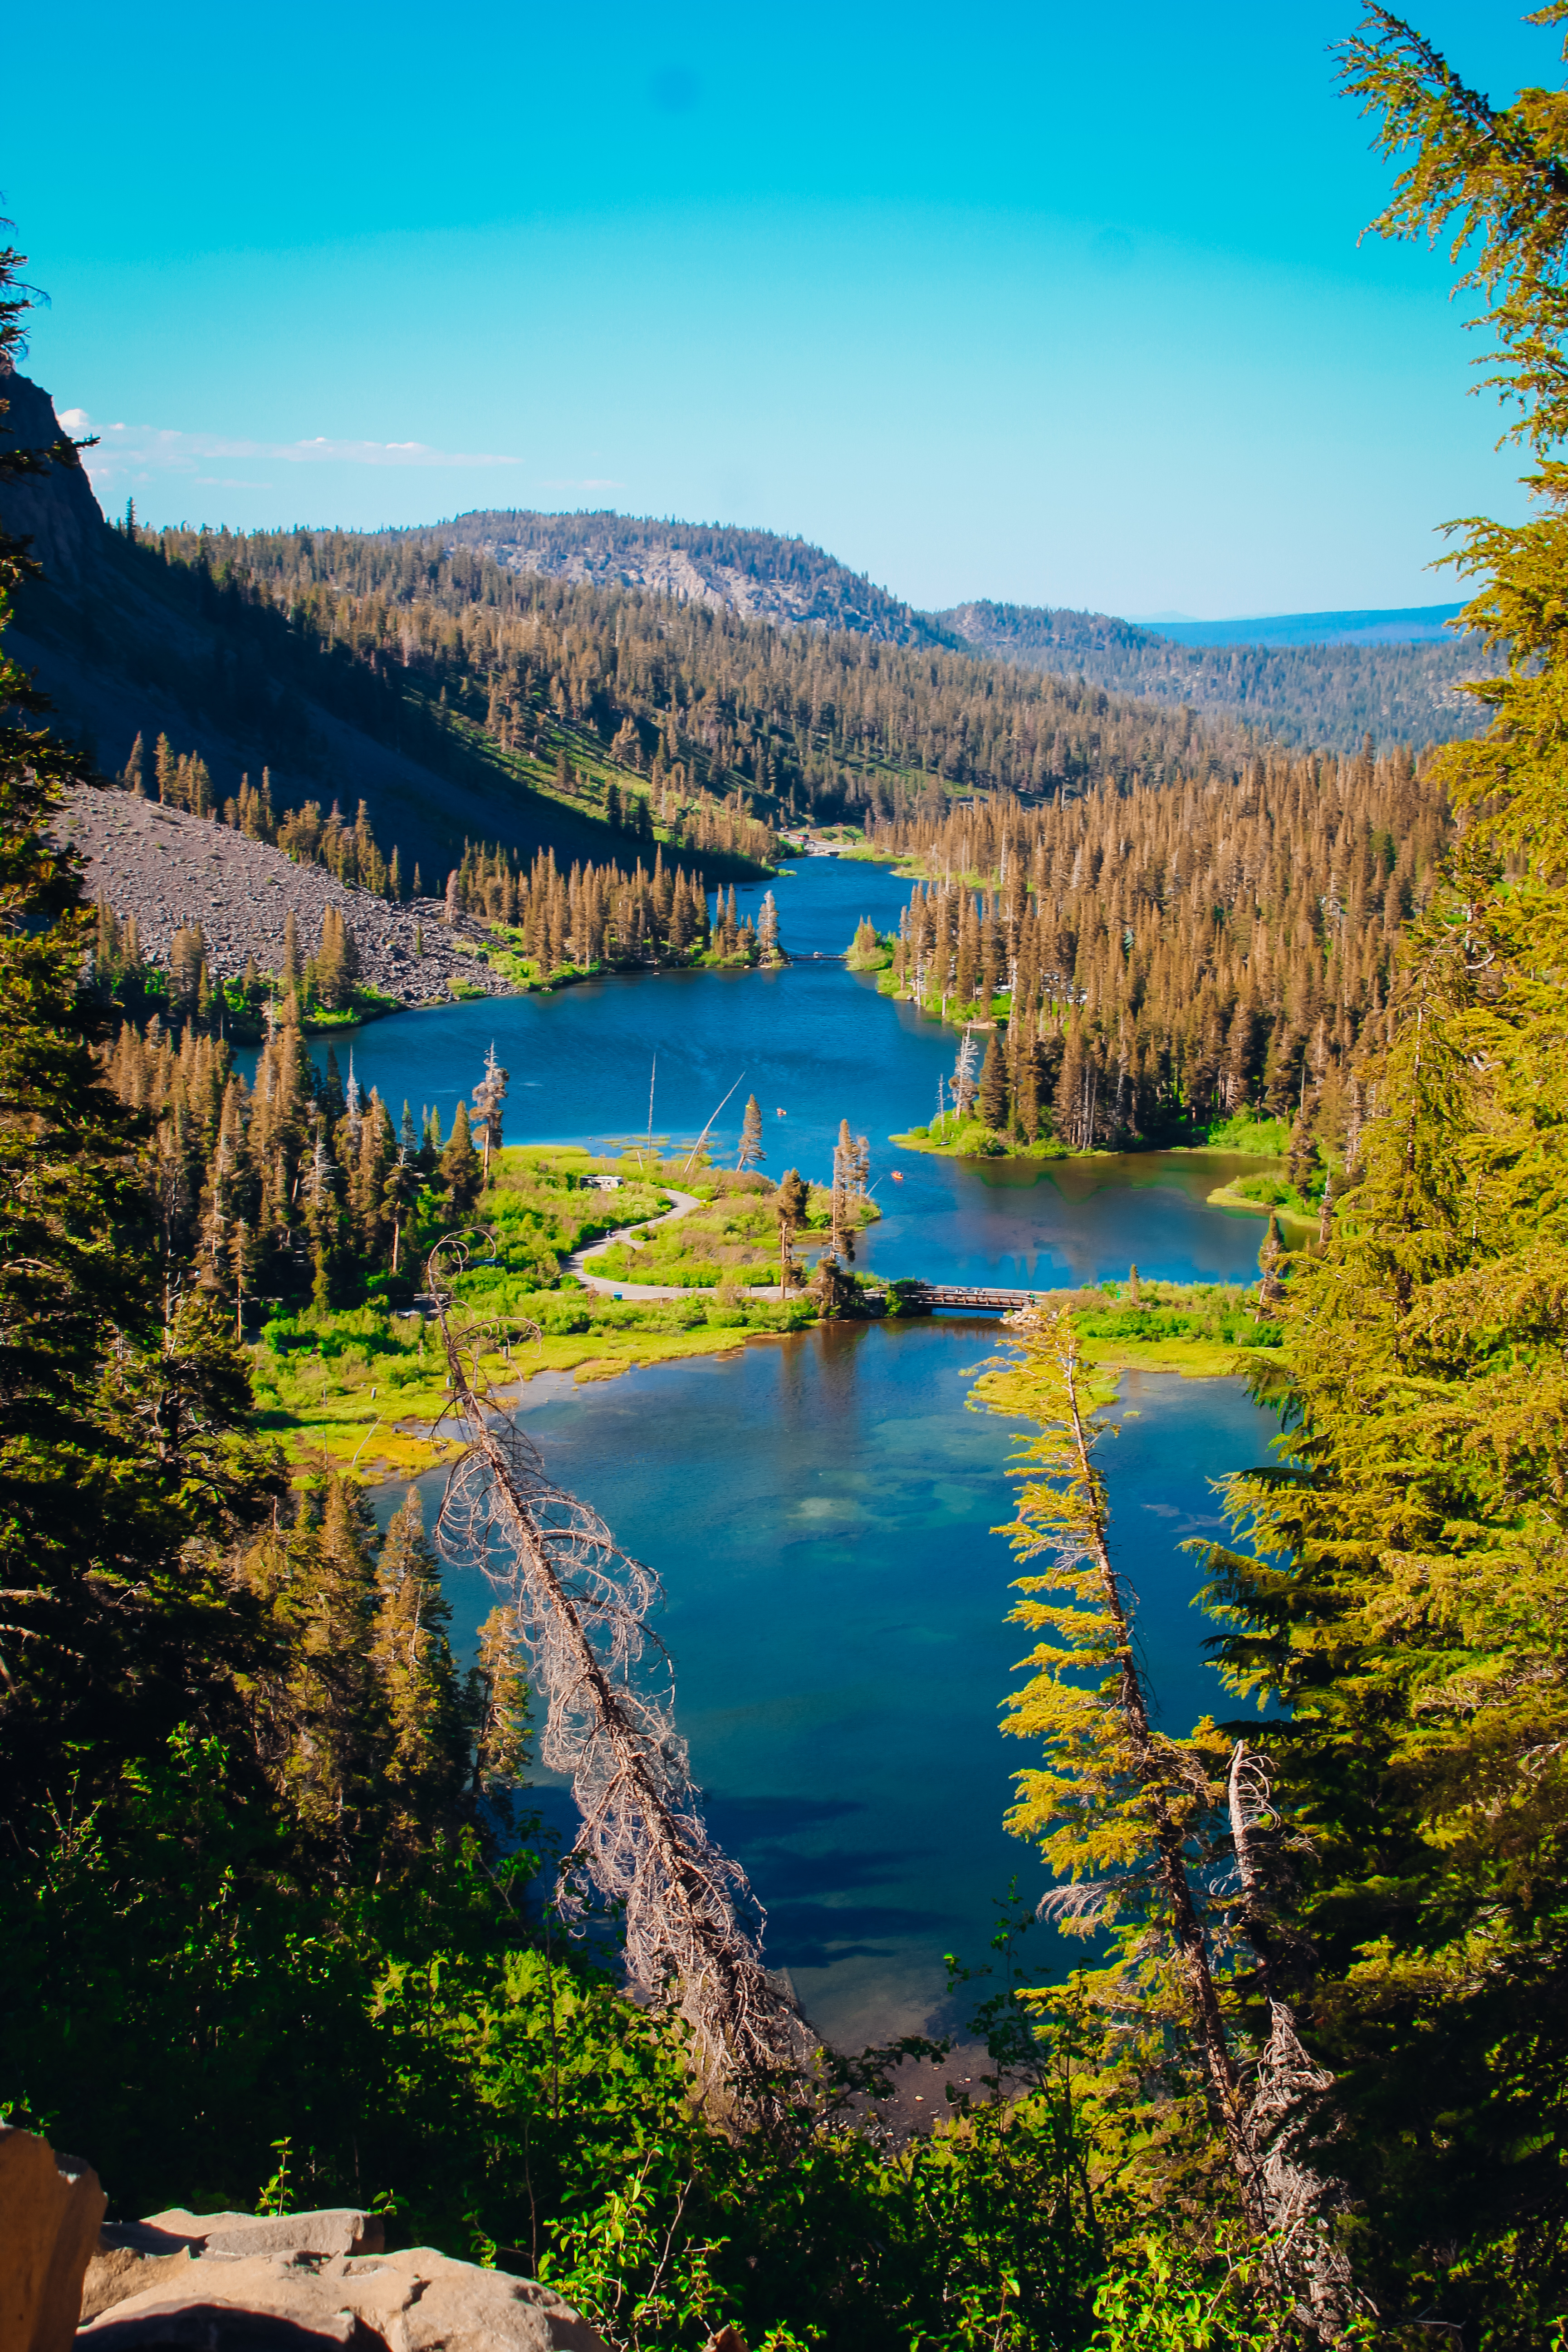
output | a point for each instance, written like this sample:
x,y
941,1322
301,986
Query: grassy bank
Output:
x,y
1204,1332
363,1387
951,1138
732,1240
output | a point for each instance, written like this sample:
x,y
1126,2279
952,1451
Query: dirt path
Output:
x,y
631,1235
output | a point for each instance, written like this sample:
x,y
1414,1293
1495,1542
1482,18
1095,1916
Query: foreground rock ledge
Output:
x,y
51,2209
221,2282
240,2282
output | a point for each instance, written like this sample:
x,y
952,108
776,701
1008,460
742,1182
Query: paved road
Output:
x,y
685,1202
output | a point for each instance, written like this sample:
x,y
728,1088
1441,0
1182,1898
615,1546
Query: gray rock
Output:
x,y
337,2229
170,869
143,2258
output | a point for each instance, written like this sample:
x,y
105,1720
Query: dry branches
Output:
x,y
582,1605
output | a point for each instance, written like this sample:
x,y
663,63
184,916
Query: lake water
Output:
x,y
820,1508
819,1044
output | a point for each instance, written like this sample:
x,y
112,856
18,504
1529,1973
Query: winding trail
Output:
x,y
632,1235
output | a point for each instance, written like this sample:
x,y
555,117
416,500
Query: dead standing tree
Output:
x,y
488,1096
851,1166
582,1605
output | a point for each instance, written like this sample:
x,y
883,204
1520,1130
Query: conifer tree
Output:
x,y
750,1151
1401,1589
124,1469
993,1085
428,1744
460,1169
792,1204
489,1099
498,1708
1131,1823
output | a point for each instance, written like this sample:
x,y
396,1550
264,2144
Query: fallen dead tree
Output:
x,y
582,1606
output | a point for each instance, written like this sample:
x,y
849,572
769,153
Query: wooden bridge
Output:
x,y
924,1298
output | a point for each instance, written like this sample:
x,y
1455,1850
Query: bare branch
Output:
x,y
582,1605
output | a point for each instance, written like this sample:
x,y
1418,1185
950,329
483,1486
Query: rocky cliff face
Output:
x,y
758,573
56,510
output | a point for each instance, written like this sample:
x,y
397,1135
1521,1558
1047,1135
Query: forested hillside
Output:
x,y
761,575
1165,959
686,696
1327,696
1311,693
463,700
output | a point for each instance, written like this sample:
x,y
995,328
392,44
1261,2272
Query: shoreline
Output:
x,y
344,1433
383,1451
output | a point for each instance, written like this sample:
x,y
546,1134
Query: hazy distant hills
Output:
x,y
1409,624
1324,680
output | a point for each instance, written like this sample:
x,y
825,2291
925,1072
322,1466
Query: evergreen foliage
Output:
x,y
1321,697
1168,960
1402,1588
597,918
431,644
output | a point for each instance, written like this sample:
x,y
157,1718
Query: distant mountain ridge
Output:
x,y
1326,680
1324,691
1405,624
761,575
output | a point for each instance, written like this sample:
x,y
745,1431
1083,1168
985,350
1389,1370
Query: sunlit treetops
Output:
x,y
810,720
1166,957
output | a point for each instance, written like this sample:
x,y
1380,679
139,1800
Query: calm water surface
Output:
x,y
820,1507
819,1044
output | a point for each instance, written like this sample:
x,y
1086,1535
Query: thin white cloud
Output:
x,y
76,420
166,451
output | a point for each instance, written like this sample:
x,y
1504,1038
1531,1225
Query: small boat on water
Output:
x,y
896,1174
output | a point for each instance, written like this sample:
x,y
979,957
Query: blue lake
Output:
x,y
820,1508
819,1044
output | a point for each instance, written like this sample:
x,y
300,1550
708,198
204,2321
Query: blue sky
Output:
x,y
1057,305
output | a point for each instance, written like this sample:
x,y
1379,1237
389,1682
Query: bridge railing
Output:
x,y
924,1297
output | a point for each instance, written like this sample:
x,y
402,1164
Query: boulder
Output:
x,y
139,2258
51,2209
336,2230
239,2300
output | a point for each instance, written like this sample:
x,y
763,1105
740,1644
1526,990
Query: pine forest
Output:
x,y
1268,2052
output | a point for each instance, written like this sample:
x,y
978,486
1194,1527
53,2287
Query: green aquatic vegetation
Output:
x,y
969,1138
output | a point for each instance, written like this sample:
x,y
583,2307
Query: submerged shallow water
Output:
x,y
819,1509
